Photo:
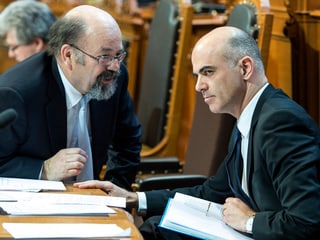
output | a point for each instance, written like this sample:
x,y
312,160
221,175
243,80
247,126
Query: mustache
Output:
x,y
108,74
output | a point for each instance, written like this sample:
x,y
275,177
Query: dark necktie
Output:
x,y
234,165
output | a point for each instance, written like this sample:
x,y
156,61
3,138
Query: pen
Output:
x,y
209,204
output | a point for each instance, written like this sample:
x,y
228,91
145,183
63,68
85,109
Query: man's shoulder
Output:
x,y
28,68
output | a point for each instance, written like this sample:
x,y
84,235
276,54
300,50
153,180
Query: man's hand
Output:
x,y
66,163
235,213
112,190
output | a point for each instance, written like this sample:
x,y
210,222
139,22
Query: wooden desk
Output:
x,y
120,218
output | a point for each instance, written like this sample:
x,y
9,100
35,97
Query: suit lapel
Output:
x,y
56,111
270,90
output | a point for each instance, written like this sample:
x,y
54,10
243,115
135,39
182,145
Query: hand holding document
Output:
x,y
199,218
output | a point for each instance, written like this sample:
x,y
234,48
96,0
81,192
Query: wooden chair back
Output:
x,y
250,17
164,85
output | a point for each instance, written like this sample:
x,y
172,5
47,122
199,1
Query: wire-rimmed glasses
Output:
x,y
103,60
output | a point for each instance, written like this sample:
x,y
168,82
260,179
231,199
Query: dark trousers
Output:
x,y
150,231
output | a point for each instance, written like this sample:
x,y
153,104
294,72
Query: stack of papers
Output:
x,y
29,203
22,197
26,197
35,209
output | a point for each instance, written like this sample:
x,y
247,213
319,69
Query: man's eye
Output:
x,y
207,72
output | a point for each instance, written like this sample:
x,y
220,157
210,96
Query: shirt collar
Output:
x,y
245,119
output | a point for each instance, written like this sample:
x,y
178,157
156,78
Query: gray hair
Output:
x,y
66,30
28,18
242,44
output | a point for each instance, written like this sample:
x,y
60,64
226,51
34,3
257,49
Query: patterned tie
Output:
x,y
235,162
84,140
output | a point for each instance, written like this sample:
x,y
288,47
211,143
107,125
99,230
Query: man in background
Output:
x,y
24,27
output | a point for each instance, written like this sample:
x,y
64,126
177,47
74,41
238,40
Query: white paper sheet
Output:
x,y
32,185
65,230
35,209
62,198
199,218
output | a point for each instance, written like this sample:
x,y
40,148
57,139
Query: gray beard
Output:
x,y
102,92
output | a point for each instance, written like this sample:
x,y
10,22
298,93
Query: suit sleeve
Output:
x,y
124,152
12,162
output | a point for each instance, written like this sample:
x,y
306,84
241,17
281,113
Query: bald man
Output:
x,y
83,61
277,195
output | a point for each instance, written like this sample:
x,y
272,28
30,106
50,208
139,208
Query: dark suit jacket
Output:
x,y
35,90
283,172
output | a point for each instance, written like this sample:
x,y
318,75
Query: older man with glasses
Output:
x,y
75,114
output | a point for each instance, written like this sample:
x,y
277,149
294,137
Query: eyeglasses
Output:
x,y
12,48
104,60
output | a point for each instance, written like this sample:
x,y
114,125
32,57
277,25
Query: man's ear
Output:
x,y
39,44
247,66
66,55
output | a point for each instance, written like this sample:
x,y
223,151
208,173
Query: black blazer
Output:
x,y
35,90
283,172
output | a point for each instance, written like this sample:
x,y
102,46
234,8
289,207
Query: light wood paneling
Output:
x,y
279,63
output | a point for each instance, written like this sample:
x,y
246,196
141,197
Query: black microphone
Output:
x,y
7,117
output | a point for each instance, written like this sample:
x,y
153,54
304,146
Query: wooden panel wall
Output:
x,y
304,32
279,63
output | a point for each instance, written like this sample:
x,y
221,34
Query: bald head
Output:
x,y
229,69
232,43
218,35
85,24
95,18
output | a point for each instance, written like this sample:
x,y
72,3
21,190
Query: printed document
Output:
x,y
62,198
30,203
198,218
65,230
31,185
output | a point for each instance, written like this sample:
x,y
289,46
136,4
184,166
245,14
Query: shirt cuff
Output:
x,y
142,204
249,224
40,174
